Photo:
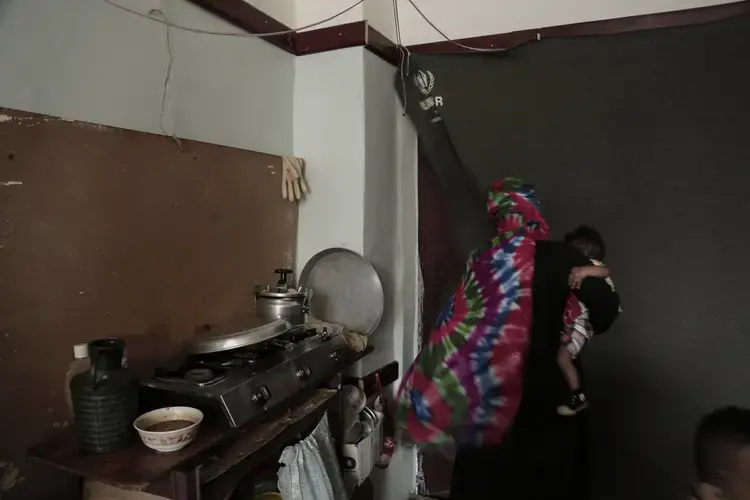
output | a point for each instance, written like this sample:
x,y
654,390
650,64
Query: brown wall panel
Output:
x,y
118,233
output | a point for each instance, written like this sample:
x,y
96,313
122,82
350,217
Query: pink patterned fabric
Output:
x,y
466,384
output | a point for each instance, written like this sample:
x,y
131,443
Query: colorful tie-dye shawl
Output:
x,y
465,385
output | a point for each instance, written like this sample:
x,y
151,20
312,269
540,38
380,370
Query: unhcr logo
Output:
x,y
424,80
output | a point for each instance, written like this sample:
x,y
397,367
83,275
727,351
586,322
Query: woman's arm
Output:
x,y
468,203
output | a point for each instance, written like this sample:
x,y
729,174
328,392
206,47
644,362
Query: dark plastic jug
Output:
x,y
105,399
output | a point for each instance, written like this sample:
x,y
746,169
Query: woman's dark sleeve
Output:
x,y
468,203
602,302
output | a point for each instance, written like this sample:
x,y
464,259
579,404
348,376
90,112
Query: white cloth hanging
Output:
x,y
310,470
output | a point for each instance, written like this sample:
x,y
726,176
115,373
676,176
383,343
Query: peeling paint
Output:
x,y
7,118
92,126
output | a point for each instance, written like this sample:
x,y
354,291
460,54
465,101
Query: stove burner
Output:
x,y
200,375
299,335
248,356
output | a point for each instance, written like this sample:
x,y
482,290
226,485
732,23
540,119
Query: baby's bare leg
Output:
x,y
565,360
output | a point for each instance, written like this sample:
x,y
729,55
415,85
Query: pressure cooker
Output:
x,y
283,301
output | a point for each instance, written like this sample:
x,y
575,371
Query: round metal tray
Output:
x,y
346,289
246,332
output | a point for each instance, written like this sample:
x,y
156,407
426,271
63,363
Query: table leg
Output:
x,y
187,484
336,416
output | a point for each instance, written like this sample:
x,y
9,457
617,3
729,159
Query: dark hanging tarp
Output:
x,y
646,137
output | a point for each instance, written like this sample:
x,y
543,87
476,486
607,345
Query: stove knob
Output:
x,y
304,372
261,395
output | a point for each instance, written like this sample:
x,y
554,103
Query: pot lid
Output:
x,y
243,332
347,289
270,293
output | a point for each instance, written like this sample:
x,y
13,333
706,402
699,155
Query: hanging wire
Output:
x,y
164,21
405,55
150,17
158,16
449,39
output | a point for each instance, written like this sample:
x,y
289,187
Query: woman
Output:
x,y
544,455
541,455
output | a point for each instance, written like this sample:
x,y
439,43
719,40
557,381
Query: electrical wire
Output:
x,y
164,21
158,12
403,66
158,16
449,39
150,17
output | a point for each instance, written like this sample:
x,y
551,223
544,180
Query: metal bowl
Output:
x,y
347,289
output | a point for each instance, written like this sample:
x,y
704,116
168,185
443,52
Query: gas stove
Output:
x,y
234,387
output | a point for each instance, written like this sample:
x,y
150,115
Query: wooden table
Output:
x,y
182,474
211,467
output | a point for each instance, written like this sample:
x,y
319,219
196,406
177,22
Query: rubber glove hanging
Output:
x,y
293,185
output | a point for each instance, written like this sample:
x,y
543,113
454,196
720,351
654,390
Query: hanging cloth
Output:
x,y
465,385
310,469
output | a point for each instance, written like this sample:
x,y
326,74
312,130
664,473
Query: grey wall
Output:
x,y
645,137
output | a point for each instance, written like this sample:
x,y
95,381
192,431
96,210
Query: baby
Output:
x,y
576,326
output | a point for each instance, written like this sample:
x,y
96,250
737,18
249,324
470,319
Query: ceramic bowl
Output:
x,y
168,440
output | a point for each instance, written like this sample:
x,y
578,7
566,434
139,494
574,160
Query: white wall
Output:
x,y
281,10
85,60
312,11
348,128
82,59
361,164
395,482
231,91
329,133
466,18
381,203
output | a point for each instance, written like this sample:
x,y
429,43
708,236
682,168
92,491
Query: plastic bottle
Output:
x,y
81,363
